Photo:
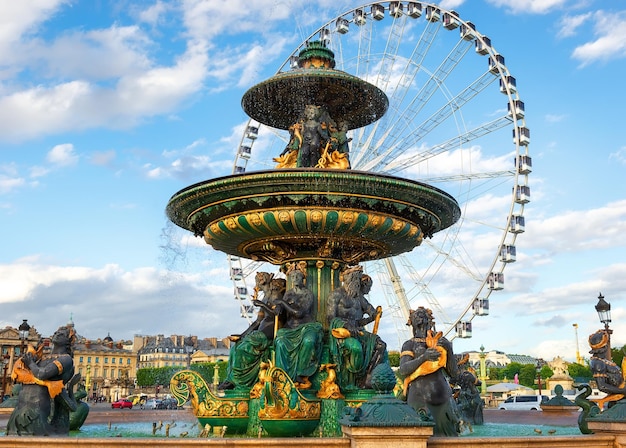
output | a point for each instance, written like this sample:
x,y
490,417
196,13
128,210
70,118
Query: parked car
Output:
x,y
122,403
168,403
152,403
523,403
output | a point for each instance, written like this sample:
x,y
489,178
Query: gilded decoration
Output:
x,y
282,400
187,385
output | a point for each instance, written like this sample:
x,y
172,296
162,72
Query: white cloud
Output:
x,y
599,228
610,43
619,155
62,155
110,299
529,6
569,24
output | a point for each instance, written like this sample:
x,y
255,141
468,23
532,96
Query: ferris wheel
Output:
x,y
455,121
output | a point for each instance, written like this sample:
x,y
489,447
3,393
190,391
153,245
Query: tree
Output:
x,y
394,358
527,375
510,370
579,372
617,354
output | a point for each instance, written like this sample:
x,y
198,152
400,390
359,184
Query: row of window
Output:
x,y
167,357
106,373
106,360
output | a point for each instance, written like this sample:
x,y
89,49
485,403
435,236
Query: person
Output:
x,y
298,344
353,349
608,375
425,360
44,404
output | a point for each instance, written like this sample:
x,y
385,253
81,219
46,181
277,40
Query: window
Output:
x,y
128,361
121,360
104,372
97,359
89,359
106,360
113,360
80,359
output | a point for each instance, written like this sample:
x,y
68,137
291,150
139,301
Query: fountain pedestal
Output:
x,y
388,437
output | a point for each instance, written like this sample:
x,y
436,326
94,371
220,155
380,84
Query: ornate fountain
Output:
x,y
313,214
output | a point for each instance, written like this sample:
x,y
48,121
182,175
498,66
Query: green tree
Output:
x,y
617,354
579,372
510,370
546,371
394,358
527,375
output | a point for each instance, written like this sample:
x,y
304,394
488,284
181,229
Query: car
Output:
x,y
168,403
523,403
152,403
122,403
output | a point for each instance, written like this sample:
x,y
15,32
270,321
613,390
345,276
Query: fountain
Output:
x,y
316,220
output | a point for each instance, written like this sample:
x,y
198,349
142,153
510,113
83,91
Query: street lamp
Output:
x,y
24,329
188,349
603,309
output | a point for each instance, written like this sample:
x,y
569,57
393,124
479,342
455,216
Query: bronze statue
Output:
x,y
608,375
470,404
251,348
44,402
298,344
425,361
354,350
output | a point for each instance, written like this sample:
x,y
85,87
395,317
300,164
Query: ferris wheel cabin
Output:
x,y
468,31
496,63
524,164
483,45
481,307
433,14
496,281
508,83
414,10
518,224
450,20
464,330
523,137
522,194
507,254
518,108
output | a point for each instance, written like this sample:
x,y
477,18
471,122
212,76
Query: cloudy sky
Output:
x,y
108,108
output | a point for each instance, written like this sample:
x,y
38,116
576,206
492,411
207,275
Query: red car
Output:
x,y
122,403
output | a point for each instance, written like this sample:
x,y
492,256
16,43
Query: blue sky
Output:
x,y
107,108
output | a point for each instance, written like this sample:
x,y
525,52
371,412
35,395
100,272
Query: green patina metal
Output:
x,y
352,216
323,221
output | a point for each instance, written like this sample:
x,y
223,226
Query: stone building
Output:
x,y
107,368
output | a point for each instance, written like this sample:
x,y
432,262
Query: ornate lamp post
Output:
x,y
603,308
483,371
24,329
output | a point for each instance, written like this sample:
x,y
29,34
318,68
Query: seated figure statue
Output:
x,y
44,402
354,350
426,361
298,344
252,346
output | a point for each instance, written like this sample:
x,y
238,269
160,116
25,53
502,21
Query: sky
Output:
x,y
109,107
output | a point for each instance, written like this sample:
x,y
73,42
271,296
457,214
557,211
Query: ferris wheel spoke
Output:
x,y
453,143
